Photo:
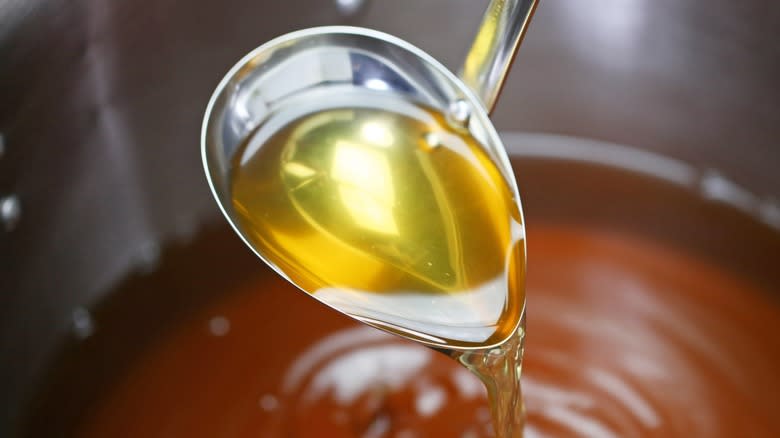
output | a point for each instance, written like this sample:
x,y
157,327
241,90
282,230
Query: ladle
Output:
x,y
322,68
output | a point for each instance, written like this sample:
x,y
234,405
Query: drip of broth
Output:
x,y
399,218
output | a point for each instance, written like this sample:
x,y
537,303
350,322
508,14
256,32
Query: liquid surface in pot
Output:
x,y
642,324
630,338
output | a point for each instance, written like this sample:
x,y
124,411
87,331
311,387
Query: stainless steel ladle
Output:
x,y
327,67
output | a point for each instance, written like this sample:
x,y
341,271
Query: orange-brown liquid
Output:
x,y
630,337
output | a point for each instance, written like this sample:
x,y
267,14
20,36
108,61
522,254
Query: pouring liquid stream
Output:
x,y
394,214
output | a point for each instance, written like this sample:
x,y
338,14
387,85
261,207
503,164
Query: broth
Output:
x,y
639,326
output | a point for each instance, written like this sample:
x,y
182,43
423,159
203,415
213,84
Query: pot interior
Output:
x,y
135,350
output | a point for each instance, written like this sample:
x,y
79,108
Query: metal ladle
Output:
x,y
323,66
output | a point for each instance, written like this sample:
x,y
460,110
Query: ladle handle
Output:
x,y
493,50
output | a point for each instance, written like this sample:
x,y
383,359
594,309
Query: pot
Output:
x,y
101,181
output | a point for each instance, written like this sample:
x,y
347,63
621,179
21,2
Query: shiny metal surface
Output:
x,y
325,68
101,103
490,57
320,68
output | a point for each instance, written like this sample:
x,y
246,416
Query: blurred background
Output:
x,y
101,103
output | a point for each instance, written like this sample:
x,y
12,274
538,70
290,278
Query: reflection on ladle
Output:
x,y
369,176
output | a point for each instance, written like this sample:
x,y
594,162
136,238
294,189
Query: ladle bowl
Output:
x,y
329,67
325,68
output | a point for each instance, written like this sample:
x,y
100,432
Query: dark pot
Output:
x,y
101,105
